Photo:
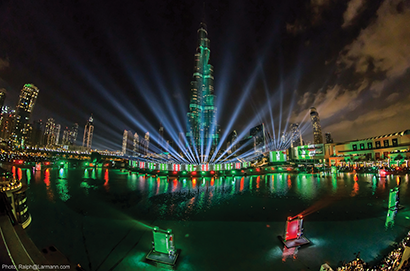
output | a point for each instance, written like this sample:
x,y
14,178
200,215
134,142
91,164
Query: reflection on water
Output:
x,y
391,215
50,193
169,198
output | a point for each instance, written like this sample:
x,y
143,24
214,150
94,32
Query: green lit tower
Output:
x,y
202,127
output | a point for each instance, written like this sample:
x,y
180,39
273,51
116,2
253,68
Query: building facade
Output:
x,y
317,129
88,133
202,131
393,147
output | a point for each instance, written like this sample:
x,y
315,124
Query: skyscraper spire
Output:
x,y
317,129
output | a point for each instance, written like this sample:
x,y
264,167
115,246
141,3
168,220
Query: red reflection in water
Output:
x,y
355,178
289,182
355,189
241,184
398,180
193,183
13,170
47,177
158,185
212,182
19,173
106,178
174,185
47,182
258,179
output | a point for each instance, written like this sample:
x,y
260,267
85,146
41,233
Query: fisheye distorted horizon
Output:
x,y
131,65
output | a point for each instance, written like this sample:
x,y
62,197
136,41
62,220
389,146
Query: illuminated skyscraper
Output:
x,y
202,126
27,100
49,134
317,129
57,133
88,133
74,133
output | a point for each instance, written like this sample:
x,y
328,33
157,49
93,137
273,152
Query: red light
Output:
x,y
157,170
106,165
91,164
174,172
272,168
193,172
170,238
46,163
288,169
242,171
212,172
258,169
19,161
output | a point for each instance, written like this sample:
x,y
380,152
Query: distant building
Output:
x,y
88,133
296,135
66,137
231,139
25,105
37,133
161,138
57,133
49,133
258,135
127,143
317,129
328,138
7,124
74,133
2,96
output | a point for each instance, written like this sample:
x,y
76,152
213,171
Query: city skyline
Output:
x,y
271,68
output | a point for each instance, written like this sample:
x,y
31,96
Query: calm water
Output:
x,y
94,217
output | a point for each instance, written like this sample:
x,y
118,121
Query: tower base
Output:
x,y
162,259
295,242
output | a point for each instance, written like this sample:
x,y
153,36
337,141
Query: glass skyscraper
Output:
x,y
202,131
317,129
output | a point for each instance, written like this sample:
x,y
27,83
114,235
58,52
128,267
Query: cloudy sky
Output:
x,y
130,63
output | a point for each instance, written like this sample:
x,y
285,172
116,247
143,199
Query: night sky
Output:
x,y
130,64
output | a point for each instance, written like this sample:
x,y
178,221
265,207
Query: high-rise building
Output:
x,y
37,133
317,129
7,123
73,133
296,135
328,138
25,105
202,126
2,97
136,144
127,143
231,139
88,133
49,133
66,137
259,136
57,133
146,142
161,138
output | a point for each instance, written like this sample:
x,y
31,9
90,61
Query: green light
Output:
x,y
233,171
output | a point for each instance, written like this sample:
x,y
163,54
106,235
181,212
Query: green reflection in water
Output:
x,y
86,174
334,183
62,189
29,176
